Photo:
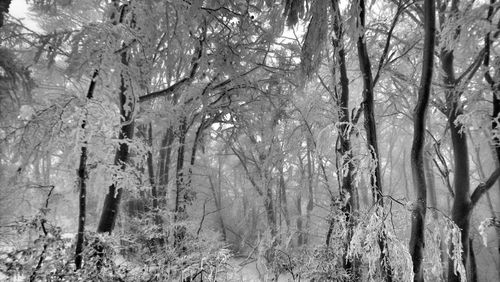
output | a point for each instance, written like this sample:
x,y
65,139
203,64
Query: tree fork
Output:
x,y
371,132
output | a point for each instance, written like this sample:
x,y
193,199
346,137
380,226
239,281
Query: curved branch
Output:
x,y
482,188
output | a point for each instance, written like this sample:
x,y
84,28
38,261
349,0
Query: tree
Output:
x,y
417,240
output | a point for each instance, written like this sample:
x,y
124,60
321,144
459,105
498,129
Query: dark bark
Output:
x,y
494,84
4,8
472,263
181,193
348,191
461,207
44,236
417,239
371,132
203,125
270,212
127,106
490,79
368,106
151,173
82,176
179,177
298,222
431,182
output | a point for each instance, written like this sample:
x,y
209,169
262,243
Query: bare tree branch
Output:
x,y
482,188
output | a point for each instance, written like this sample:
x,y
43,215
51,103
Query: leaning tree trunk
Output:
x,y
82,177
417,239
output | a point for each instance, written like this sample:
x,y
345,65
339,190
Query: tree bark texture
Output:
x,y
113,197
83,176
164,165
348,191
371,132
181,196
461,207
417,238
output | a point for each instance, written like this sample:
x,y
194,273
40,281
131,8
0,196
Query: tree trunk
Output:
x,y
127,106
283,198
310,194
164,165
494,83
270,213
417,239
151,175
461,207
181,196
83,176
371,132
472,274
4,8
298,222
348,192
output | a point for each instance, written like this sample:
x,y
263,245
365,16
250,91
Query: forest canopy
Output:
x,y
249,140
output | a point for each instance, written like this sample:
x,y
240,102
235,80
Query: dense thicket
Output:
x,y
229,140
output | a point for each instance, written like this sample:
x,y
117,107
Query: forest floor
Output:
x,y
246,270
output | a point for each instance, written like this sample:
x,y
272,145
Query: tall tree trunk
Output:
x,y
472,274
194,149
310,193
417,239
127,106
179,177
432,199
348,191
493,80
270,212
431,181
219,201
494,83
371,132
283,198
83,176
181,196
151,175
299,221
461,207
164,165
